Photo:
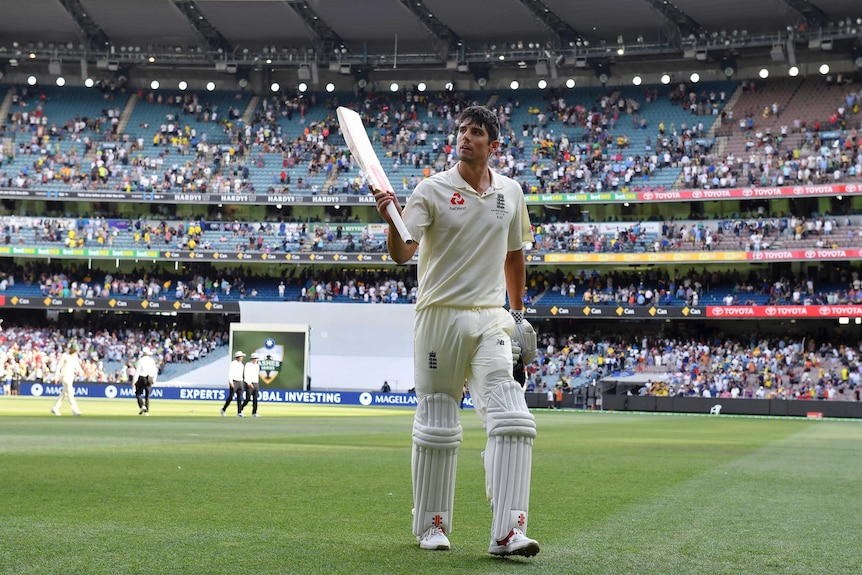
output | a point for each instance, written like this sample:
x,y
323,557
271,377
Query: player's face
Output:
x,y
474,144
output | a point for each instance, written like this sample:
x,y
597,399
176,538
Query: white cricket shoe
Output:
x,y
240,414
515,543
434,539
222,412
255,415
55,411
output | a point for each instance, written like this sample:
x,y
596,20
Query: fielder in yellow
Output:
x,y
469,225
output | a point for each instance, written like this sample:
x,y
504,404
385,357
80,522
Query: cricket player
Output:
x,y
67,369
147,372
470,226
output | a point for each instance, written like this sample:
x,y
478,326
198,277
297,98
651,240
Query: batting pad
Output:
x,y
509,458
436,437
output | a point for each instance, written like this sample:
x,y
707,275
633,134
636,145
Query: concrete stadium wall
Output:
x,y
353,346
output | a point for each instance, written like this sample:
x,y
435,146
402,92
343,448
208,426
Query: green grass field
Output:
x,y
327,490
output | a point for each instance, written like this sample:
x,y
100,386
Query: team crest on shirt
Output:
x,y
271,357
500,208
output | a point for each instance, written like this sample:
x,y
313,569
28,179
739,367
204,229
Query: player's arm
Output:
x,y
515,269
516,278
400,250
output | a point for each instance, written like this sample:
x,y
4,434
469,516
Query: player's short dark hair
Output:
x,y
484,117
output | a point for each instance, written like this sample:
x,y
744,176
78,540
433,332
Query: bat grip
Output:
x,y
519,372
399,223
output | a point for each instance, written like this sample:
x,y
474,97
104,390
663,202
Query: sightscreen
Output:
x,y
282,349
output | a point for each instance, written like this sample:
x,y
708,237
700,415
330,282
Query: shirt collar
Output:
x,y
460,183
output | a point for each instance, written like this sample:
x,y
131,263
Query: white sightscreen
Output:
x,y
353,346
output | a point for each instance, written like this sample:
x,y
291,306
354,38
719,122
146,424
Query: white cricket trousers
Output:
x,y
68,393
454,345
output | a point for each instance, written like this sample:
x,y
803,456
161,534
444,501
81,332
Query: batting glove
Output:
x,y
516,352
525,336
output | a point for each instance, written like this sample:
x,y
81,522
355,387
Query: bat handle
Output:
x,y
399,223
519,372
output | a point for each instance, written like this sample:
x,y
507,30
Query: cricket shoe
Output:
x,y
514,544
434,539
55,411
240,414
222,412
142,411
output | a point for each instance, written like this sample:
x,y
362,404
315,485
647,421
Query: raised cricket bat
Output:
x,y
360,146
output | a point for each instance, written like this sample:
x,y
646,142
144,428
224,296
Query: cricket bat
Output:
x,y
360,146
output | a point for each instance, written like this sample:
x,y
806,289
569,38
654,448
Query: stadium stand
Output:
x,y
31,351
592,139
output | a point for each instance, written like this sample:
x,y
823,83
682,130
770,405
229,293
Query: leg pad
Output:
x,y
508,458
436,436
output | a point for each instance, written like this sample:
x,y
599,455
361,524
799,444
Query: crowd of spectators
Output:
x,y
576,146
799,152
755,232
193,235
85,153
843,285
204,282
31,353
565,146
207,283
736,367
569,146
358,287
763,367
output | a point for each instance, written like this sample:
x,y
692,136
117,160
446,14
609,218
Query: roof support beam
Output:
x,y
97,40
210,37
562,34
815,18
680,25
445,39
324,39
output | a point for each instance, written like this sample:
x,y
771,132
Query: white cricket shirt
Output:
x,y
251,373
235,371
464,238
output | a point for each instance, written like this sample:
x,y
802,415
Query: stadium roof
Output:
x,y
424,34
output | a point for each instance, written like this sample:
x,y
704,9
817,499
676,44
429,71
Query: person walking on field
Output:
x,y
68,367
470,226
251,378
147,372
235,384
